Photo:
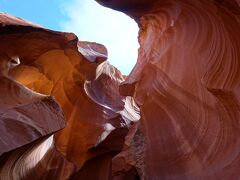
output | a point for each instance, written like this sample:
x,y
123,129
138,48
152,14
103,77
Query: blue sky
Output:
x,y
87,19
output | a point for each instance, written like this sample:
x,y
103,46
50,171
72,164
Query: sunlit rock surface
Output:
x,y
43,64
25,115
186,82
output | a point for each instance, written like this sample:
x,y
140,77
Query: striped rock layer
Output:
x,y
184,89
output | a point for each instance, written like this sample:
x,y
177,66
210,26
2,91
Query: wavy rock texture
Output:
x,y
25,115
38,160
86,87
186,82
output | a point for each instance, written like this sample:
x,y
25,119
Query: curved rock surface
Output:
x,y
38,160
186,82
25,115
86,87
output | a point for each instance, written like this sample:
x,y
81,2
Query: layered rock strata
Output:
x,y
186,82
84,84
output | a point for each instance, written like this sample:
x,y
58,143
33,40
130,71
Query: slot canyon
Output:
x,y
67,113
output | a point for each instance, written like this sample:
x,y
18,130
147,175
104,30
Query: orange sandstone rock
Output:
x,y
86,87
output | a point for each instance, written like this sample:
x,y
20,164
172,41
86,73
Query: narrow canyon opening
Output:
x,y
91,21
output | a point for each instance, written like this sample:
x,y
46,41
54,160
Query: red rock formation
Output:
x,y
38,160
186,82
80,92
24,114
85,86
